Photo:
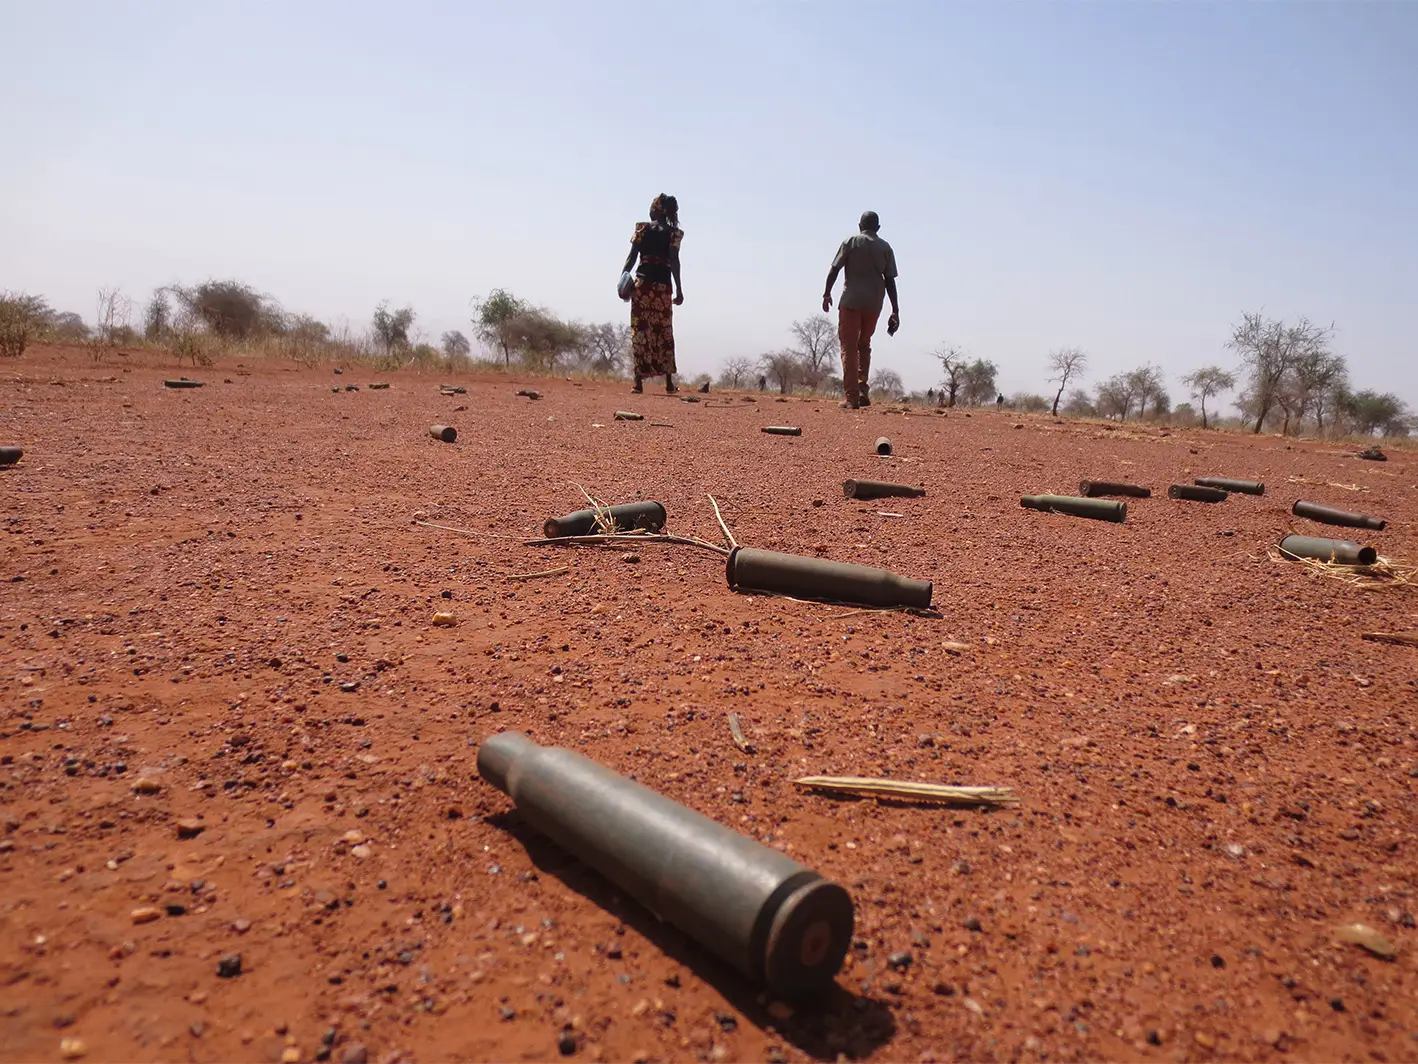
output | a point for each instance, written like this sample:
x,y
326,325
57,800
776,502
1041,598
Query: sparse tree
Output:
x,y
1079,404
1066,364
1369,412
736,372
1115,397
886,383
1144,385
305,339
816,346
979,385
1309,388
110,323
490,318
66,327
311,330
21,318
783,368
1029,403
955,369
540,338
607,348
455,345
1270,350
391,327
229,309
1206,383
157,319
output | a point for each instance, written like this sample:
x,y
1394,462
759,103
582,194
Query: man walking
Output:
x,y
871,275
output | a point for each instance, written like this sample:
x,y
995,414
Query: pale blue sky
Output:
x,y
1124,177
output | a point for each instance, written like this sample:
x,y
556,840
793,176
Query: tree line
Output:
x,y
1289,376
810,363
1288,373
197,321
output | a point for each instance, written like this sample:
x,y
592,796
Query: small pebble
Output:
x,y
72,1048
630,558
146,915
146,786
972,923
566,1044
229,967
900,960
355,1053
444,620
1366,937
241,926
361,852
190,829
290,1055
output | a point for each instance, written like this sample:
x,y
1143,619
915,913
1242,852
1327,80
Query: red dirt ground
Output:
x,y
1214,770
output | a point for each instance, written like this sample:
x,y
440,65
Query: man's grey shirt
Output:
x,y
868,261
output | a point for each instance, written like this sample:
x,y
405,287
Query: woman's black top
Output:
x,y
656,241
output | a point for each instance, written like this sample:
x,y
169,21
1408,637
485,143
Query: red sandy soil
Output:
x,y
1214,771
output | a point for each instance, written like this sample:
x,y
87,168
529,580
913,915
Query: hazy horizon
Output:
x,y
1124,178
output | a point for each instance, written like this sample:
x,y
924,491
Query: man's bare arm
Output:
x,y
837,263
894,322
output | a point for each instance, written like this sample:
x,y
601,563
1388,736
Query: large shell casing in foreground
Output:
x,y
1245,487
1098,509
883,445
880,489
782,430
751,569
1329,515
1337,551
777,921
11,455
1092,488
628,516
446,433
1197,493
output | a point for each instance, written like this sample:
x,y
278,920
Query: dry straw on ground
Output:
x,y
900,789
1385,574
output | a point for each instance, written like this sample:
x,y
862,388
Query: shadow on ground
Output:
x,y
842,1023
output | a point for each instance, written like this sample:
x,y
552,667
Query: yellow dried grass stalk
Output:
x,y
1385,574
931,792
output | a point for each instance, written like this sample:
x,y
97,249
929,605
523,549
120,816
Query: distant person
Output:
x,y
999,401
871,276
652,333
762,383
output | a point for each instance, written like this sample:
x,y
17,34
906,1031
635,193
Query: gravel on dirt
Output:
x,y
218,612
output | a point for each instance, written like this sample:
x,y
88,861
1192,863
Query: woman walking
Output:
x,y
652,332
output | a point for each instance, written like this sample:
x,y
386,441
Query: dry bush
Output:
x,y
20,318
195,347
